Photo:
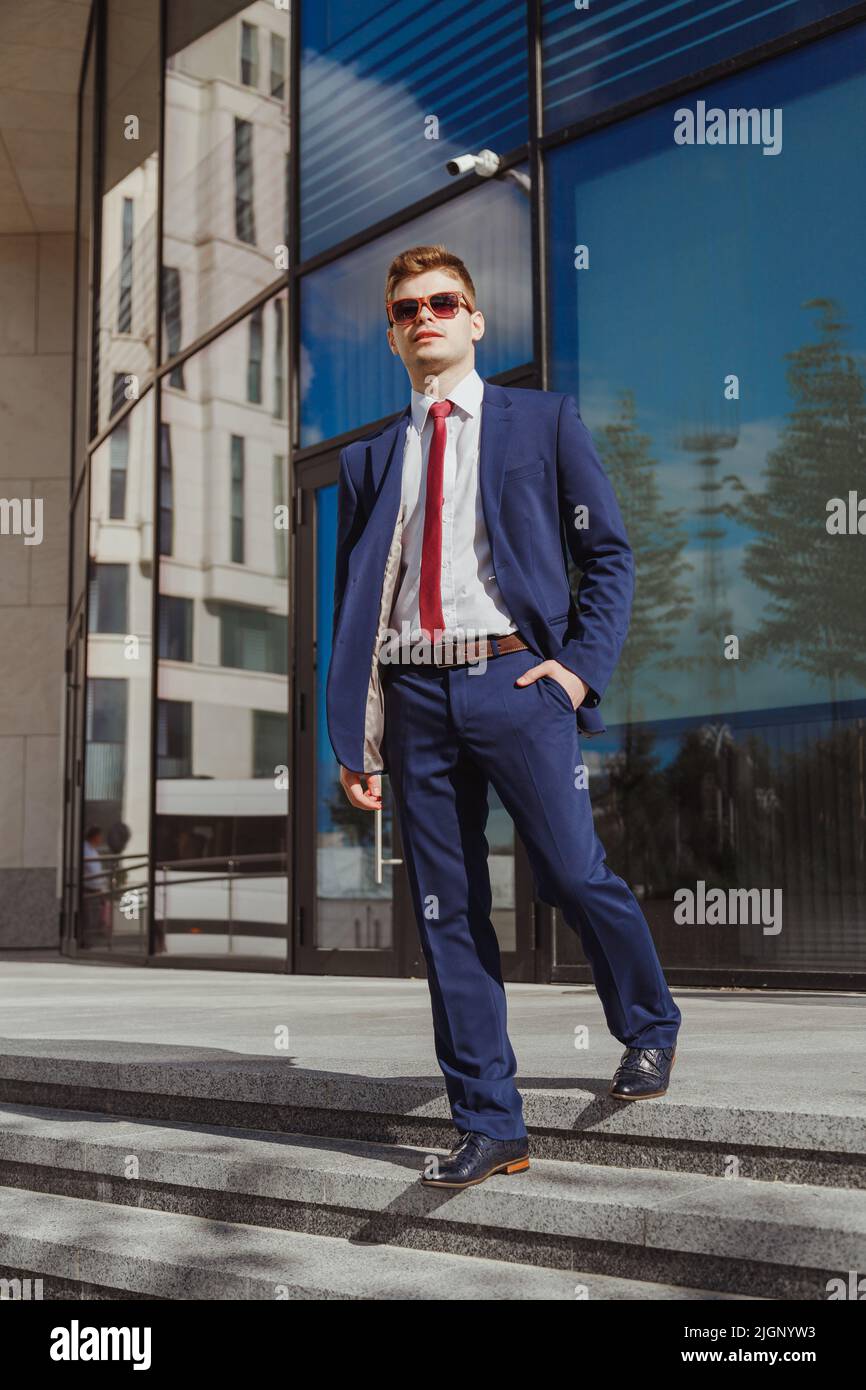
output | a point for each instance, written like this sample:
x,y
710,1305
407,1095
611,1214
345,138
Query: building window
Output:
x,y
236,508
270,731
278,66
173,321
118,392
245,227
249,54
124,308
175,628
253,640
279,360
281,534
118,467
106,710
105,725
173,738
108,598
166,492
254,356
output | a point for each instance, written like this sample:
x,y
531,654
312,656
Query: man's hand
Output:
x,y
369,800
576,688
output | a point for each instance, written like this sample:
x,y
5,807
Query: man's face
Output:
x,y
430,343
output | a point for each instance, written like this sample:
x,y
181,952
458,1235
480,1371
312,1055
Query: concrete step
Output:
x,y
72,1246
738,1236
796,1138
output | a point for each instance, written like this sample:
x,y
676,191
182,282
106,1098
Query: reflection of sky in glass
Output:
x,y
374,79
611,53
701,260
349,376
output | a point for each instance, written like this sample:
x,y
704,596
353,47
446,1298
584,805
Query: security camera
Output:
x,y
485,164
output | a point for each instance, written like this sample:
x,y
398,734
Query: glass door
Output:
x,y
351,897
353,912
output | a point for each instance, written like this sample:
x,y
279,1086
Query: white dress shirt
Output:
x,y
471,602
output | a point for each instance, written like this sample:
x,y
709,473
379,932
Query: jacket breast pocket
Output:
x,y
526,470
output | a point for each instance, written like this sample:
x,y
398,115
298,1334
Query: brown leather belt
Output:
x,y
460,653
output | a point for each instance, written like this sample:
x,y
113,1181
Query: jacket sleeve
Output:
x,y
597,541
347,519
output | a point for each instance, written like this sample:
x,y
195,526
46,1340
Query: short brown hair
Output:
x,y
420,258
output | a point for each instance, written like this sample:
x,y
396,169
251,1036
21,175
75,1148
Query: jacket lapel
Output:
x,y
493,452
387,446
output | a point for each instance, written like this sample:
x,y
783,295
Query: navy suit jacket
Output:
x,y
538,471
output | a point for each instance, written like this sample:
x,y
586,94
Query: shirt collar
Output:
x,y
467,394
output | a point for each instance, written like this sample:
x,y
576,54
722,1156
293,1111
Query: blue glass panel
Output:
x,y
378,81
733,767
593,59
711,260
348,374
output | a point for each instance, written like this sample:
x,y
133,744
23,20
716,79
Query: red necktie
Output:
x,y
430,587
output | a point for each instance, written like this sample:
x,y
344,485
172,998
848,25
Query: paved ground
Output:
x,y
797,1051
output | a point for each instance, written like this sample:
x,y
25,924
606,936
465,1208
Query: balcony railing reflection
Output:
x,y
248,891
115,906
237,898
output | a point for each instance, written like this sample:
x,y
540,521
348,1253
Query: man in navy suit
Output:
x,y
461,659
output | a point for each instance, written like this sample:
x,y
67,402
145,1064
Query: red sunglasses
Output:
x,y
445,304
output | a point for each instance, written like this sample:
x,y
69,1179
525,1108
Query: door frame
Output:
x,y
73,782
320,468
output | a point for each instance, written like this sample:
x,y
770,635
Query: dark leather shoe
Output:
x,y
476,1157
643,1072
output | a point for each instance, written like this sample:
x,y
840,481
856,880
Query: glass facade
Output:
x,y
724,465
185,740
389,93
221,821
225,187
637,247
118,692
596,57
129,159
345,376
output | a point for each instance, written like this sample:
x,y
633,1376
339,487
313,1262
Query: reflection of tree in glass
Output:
x,y
815,617
661,601
714,618
634,810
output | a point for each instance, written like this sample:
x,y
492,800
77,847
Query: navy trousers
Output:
x,y
449,732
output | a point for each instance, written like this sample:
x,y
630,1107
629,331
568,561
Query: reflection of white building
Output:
x,y
223,439
117,778
226,153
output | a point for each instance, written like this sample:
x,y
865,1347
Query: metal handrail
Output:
x,y
233,872
178,882
223,858
228,877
